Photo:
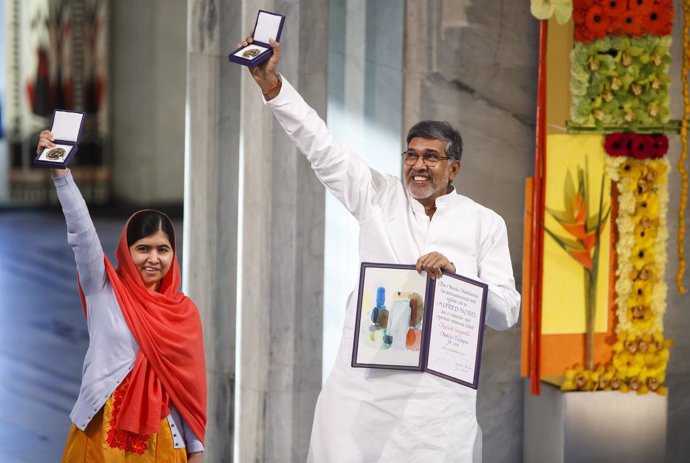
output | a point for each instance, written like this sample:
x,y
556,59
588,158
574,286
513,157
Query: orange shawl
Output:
x,y
170,366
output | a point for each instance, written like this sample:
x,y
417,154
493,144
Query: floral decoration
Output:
x,y
121,439
620,81
595,19
640,353
544,9
636,145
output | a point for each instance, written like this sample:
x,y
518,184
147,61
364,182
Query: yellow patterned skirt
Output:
x,y
93,445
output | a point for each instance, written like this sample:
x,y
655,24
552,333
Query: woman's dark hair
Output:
x,y
437,130
146,223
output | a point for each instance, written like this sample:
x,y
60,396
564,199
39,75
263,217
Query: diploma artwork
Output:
x,y
406,320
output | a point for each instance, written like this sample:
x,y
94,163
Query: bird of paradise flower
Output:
x,y
582,243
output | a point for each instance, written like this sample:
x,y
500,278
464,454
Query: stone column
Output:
x,y
282,253
211,203
254,233
473,64
148,97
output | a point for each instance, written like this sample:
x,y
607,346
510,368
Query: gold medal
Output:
x,y
251,53
55,154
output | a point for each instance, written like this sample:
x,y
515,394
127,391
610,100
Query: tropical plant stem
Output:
x,y
591,284
590,317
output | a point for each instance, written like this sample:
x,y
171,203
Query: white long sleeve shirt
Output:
x,y
112,348
367,415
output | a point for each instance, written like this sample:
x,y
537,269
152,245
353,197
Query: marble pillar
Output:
x,y
473,64
282,253
211,204
254,234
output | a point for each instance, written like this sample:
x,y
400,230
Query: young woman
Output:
x,y
143,390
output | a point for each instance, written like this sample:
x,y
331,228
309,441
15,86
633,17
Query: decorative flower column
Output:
x,y
619,79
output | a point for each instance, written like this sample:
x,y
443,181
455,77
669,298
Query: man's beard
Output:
x,y
422,191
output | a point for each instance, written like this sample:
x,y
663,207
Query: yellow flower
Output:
x,y
646,274
606,379
645,232
642,256
628,365
579,379
642,292
647,205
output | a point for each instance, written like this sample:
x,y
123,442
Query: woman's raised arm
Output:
x,y
81,234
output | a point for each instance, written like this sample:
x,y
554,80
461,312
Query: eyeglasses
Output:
x,y
430,159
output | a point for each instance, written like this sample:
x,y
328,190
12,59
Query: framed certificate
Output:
x,y
66,128
268,25
406,320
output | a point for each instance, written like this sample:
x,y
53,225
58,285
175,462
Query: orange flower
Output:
x,y
641,7
659,19
582,257
614,8
577,222
596,21
631,24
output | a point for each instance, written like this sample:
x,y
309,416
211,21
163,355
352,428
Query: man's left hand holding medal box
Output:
x,y
66,130
268,26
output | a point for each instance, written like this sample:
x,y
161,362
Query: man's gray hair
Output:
x,y
438,130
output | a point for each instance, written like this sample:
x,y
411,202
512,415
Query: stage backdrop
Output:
x,y
58,60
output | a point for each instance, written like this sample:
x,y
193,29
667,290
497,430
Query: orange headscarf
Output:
x,y
170,366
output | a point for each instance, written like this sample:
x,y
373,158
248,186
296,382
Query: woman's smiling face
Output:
x,y
152,257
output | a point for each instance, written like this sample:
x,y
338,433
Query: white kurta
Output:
x,y
371,415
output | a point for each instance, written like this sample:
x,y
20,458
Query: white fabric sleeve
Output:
x,y
192,443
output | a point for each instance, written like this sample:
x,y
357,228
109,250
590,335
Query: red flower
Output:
x,y
659,145
580,8
616,144
581,11
584,35
596,21
615,11
659,19
614,7
640,7
631,24
640,147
